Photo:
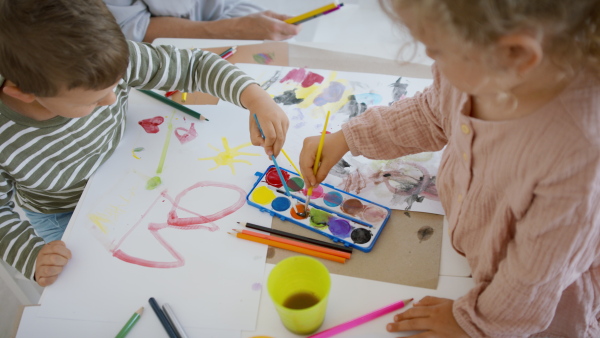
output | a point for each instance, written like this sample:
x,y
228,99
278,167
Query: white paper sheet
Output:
x,y
125,249
306,95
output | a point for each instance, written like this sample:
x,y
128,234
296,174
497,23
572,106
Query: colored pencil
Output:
x,y
130,323
174,104
317,159
228,50
361,320
174,321
163,319
289,247
296,237
297,243
229,53
314,13
171,93
183,97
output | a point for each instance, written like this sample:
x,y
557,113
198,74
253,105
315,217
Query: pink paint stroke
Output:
x,y
294,75
186,135
173,221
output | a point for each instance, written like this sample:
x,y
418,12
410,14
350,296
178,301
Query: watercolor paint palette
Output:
x,y
343,217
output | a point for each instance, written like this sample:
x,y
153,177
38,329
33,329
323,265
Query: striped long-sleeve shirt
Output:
x,y
45,165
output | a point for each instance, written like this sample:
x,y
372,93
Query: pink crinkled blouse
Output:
x,y
522,198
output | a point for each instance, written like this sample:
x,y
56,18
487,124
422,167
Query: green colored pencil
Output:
x,y
130,323
174,104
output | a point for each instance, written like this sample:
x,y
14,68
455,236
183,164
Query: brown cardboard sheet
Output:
x,y
407,251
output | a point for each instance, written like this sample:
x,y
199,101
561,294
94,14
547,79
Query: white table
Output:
x,y
350,297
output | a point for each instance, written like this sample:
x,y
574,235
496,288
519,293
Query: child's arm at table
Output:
x,y
22,248
409,126
168,68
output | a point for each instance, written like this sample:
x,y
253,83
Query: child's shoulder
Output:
x,y
579,107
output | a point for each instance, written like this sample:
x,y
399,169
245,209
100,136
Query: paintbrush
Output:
x,y
287,190
316,165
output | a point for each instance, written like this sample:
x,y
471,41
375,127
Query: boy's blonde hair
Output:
x,y
571,29
50,45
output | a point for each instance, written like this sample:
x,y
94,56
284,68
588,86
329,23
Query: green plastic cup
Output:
x,y
299,287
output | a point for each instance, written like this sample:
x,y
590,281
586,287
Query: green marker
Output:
x,y
130,323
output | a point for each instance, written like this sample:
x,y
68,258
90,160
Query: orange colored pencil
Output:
x,y
297,243
290,247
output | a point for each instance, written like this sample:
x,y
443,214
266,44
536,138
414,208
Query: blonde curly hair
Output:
x,y
571,29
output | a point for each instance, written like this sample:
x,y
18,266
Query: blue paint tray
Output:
x,y
343,217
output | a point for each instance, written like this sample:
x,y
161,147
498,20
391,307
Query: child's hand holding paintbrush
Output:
x,y
319,154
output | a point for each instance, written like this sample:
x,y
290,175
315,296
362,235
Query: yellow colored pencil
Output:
x,y
314,13
317,160
183,97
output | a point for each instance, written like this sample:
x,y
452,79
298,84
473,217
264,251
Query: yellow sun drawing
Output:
x,y
228,155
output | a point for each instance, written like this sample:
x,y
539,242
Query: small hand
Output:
x,y
432,315
273,120
334,148
50,262
265,26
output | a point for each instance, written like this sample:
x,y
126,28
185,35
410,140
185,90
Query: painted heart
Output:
x,y
185,135
151,125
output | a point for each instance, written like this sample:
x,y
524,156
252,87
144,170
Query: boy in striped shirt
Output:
x,y
65,75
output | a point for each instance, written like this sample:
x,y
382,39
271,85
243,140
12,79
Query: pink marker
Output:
x,y
361,320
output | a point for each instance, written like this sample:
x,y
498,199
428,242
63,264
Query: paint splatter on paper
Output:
x,y
228,156
263,58
307,94
151,125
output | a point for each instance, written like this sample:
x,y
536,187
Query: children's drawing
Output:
x,y
404,179
158,242
228,155
154,222
151,125
263,58
306,96
137,150
186,135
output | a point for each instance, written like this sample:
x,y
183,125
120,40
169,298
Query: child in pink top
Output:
x,y
516,102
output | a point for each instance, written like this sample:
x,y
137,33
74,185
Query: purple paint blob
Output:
x,y
281,204
256,287
340,227
333,93
333,199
